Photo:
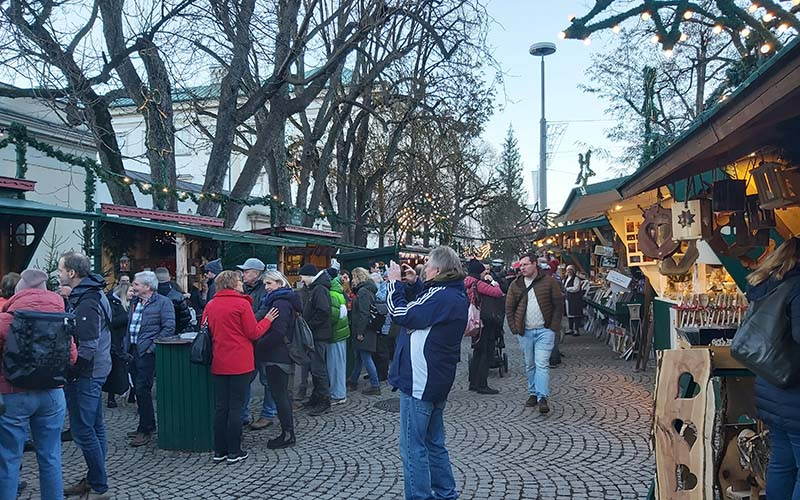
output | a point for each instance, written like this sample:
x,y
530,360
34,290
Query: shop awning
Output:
x,y
16,206
763,112
211,233
579,226
591,200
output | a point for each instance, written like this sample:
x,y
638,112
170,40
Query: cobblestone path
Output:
x,y
593,444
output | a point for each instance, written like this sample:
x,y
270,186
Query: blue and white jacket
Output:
x,y
429,344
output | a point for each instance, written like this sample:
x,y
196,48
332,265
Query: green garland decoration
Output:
x,y
89,189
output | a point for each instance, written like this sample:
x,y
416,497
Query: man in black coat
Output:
x,y
183,317
318,314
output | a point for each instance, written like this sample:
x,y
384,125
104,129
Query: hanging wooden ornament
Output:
x,y
757,217
691,220
778,185
745,240
655,233
727,195
670,267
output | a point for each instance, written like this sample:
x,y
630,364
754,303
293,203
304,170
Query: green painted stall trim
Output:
x,y
362,258
185,400
236,253
579,226
16,206
661,329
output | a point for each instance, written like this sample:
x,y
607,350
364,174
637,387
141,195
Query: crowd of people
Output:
x,y
405,326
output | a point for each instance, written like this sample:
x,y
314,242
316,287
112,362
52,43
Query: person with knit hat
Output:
x,y
317,313
170,290
42,411
210,270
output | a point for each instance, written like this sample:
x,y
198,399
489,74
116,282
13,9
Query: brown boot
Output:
x,y
140,439
372,391
80,488
543,406
532,402
261,423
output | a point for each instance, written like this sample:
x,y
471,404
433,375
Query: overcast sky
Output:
x,y
517,25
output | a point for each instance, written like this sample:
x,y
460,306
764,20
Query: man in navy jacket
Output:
x,y
424,367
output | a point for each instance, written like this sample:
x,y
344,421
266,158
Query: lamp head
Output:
x,y
542,49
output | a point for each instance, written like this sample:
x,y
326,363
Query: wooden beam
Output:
x,y
181,262
145,213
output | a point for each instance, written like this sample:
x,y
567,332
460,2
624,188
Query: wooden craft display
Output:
x,y
655,233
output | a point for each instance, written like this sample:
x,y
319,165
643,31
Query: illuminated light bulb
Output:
x,y
562,34
769,16
795,2
684,37
145,186
753,8
617,29
126,180
587,41
182,194
668,53
783,27
717,29
618,208
645,16
655,39
571,17
165,189
745,32
688,14
765,48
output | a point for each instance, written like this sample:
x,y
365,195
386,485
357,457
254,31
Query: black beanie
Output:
x,y
475,267
332,272
308,270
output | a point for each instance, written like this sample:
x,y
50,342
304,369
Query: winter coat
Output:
x,y
549,296
119,324
429,343
364,337
776,406
92,327
183,317
158,321
341,325
257,292
271,347
317,307
574,289
31,299
233,329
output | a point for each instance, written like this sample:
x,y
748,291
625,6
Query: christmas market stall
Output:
x,y
727,193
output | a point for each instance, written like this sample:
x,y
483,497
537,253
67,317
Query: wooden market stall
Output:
x,y
319,247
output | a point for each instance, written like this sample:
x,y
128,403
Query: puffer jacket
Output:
x,y
27,300
92,327
364,338
549,296
776,406
341,325
257,292
158,321
271,347
183,317
317,307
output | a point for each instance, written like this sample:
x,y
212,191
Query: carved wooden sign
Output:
x,y
655,233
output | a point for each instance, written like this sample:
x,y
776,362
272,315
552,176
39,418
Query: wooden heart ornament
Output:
x,y
668,267
655,233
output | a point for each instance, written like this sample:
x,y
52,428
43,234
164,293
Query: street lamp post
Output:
x,y
542,49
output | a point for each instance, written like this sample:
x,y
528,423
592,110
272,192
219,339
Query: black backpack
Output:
x,y
377,316
301,341
38,349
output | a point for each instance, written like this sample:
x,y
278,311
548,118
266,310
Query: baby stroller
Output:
x,y
500,359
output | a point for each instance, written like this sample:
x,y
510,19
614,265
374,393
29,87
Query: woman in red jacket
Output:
x,y
233,329
485,293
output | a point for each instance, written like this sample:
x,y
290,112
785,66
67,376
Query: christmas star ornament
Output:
x,y
686,218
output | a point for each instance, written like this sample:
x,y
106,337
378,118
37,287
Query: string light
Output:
x,y
765,48
688,14
617,29
668,53
587,41
655,39
795,2
645,16
684,37
145,186
753,8
717,29
783,27
165,189
562,35
745,32
571,17
769,16
126,180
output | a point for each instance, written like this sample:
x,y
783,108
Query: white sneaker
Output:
x,y
335,402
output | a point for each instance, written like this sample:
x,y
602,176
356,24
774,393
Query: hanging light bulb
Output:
x,y
745,32
667,53
562,34
717,29
587,41
145,186
165,189
655,39
753,8
126,180
617,29
769,16
783,27
688,14
795,2
684,37
765,48
645,16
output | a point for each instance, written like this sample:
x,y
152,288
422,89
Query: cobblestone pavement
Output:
x,y
593,444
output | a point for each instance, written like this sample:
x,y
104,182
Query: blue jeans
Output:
x,y
427,473
537,344
268,409
364,359
143,371
44,412
783,477
337,365
85,405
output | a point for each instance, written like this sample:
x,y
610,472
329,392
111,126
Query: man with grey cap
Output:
x,y
252,270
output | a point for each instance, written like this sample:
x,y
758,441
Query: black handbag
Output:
x,y
764,344
201,353
117,380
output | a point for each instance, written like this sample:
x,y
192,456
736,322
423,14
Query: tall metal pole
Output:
x,y
543,152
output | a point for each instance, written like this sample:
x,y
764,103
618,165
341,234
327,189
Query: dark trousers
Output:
x,y
279,388
229,391
143,370
575,324
382,357
319,371
482,354
783,473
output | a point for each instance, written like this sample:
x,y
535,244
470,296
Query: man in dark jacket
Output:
x,y
166,287
152,317
317,313
84,389
424,367
210,270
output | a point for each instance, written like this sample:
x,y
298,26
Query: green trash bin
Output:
x,y
185,398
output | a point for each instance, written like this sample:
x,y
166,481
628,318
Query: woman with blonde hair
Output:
x,y
363,333
233,328
780,408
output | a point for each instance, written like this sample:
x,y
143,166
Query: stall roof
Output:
x,y
307,235
579,226
17,206
753,117
211,233
590,200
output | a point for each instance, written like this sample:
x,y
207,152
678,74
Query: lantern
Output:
x,y
778,185
124,263
728,195
691,220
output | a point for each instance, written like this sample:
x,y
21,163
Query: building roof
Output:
x,y
590,200
579,226
17,206
752,117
